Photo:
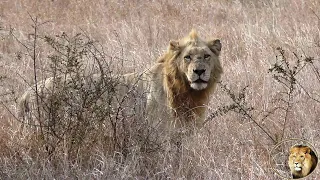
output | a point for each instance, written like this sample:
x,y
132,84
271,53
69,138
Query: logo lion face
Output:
x,y
302,161
297,160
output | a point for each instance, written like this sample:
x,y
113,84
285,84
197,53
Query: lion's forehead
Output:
x,y
197,50
299,152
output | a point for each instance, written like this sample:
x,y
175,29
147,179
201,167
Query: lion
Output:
x,y
178,87
302,161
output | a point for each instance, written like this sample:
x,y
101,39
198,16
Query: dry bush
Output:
x,y
76,112
248,115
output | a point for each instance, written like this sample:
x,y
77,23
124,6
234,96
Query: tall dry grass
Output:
x,y
135,33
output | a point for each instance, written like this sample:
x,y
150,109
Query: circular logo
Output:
x,y
293,158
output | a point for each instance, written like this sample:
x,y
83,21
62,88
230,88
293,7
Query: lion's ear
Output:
x,y
308,150
215,46
174,46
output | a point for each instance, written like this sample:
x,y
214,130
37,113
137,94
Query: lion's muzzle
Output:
x,y
199,71
297,166
199,78
199,84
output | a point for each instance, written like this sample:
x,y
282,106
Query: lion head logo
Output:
x,y
302,161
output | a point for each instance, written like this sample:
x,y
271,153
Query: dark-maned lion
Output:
x,y
302,161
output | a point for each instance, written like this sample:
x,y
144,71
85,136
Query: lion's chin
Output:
x,y
297,169
198,85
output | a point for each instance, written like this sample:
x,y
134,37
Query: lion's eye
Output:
x,y
206,56
187,57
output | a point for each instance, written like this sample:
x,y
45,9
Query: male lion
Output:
x,y
176,89
302,161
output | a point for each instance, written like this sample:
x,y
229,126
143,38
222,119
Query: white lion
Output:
x,y
175,91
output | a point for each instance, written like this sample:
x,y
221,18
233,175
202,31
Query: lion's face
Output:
x,y
297,159
197,60
300,160
197,65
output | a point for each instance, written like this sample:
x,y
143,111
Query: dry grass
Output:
x,y
135,33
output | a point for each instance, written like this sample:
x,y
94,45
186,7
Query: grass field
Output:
x,y
135,33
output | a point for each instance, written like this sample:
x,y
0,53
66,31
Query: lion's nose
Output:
x,y
199,71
